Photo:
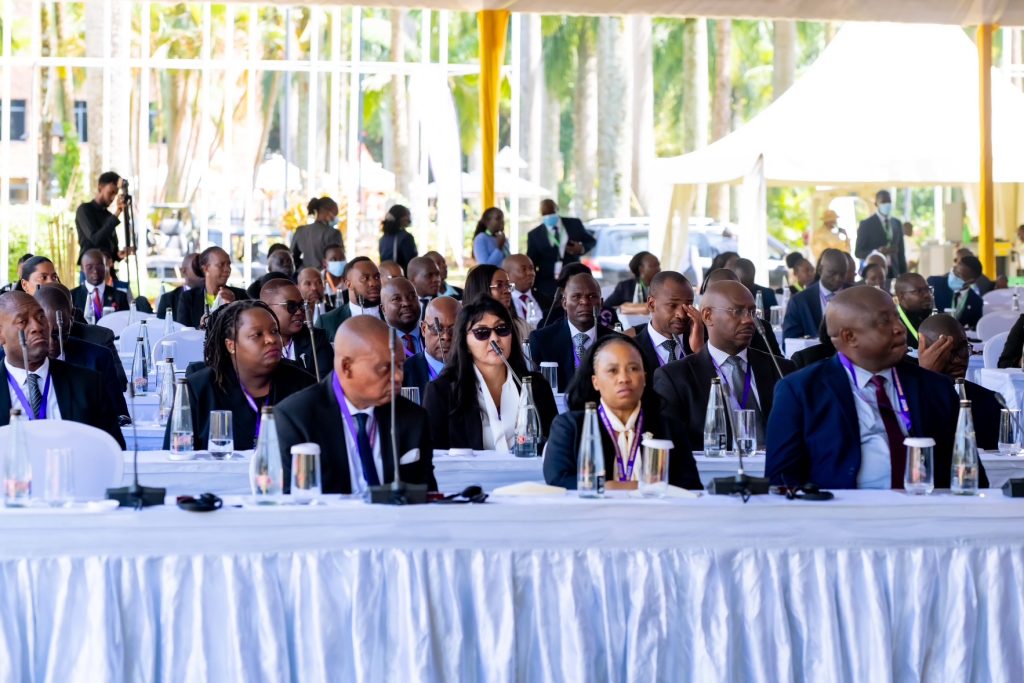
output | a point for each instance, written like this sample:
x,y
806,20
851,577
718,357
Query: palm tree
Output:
x,y
721,112
614,94
643,108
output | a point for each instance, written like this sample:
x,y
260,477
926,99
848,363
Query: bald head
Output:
x,y
390,269
520,271
718,275
443,306
728,313
943,326
441,312
362,361
425,276
864,325
400,304
833,267
745,271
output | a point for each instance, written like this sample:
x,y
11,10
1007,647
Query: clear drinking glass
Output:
x,y
1009,432
919,477
746,432
549,370
411,393
306,485
653,481
222,437
168,349
58,482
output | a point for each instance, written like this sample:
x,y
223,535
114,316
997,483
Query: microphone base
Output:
x,y
738,485
404,494
137,496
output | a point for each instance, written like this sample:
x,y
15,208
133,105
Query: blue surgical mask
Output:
x,y
955,283
333,222
885,209
551,220
336,268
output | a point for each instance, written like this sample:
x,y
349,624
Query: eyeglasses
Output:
x,y
503,286
484,333
740,313
920,291
292,307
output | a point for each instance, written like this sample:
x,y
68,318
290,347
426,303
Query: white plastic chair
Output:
x,y
118,320
130,334
97,459
993,323
999,297
189,345
993,349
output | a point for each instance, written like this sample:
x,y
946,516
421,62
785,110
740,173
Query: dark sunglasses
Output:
x,y
292,307
484,333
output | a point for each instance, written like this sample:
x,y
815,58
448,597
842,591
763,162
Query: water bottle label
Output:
x,y
181,442
599,483
17,488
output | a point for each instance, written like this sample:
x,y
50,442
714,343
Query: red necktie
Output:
x,y
897,451
410,348
97,305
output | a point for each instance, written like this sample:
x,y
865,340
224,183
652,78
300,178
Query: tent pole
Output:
x,y
986,238
492,26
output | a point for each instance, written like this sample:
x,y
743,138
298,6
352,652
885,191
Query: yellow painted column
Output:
x,y
986,210
493,27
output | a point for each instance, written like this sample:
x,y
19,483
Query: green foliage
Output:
x,y
67,161
787,213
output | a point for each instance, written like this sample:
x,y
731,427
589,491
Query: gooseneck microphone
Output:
x,y
60,332
760,331
437,331
554,300
501,355
312,337
23,343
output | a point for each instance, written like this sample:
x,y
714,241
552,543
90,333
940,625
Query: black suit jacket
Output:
x,y
416,373
561,453
112,297
544,255
684,385
554,344
1010,357
871,236
169,301
312,415
192,305
650,355
972,310
813,354
804,314
79,395
102,336
985,412
622,294
459,426
204,395
304,352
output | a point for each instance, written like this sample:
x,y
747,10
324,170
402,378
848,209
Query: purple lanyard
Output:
x,y
339,394
252,404
627,468
747,381
24,401
408,353
904,408
431,371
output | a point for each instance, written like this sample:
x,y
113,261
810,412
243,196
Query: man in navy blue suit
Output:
x,y
425,366
558,241
954,290
804,313
884,234
841,423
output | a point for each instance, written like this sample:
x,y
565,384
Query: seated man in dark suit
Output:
x,y
566,342
767,343
557,242
748,375
362,279
426,365
676,329
446,288
804,313
945,350
841,423
644,265
168,301
426,280
284,299
46,388
522,275
913,303
954,291
747,272
348,415
94,334
95,293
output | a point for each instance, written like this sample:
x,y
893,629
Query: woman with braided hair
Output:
x,y
243,372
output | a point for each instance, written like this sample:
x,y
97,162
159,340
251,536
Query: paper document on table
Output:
x,y
528,488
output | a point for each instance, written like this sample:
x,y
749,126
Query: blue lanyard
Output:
x,y
903,410
24,401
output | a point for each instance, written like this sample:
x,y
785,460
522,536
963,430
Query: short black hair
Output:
x,y
25,257
637,261
351,264
277,246
108,178
973,264
793,258
668,276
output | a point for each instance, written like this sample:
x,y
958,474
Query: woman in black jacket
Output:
x,y
397,243
214,266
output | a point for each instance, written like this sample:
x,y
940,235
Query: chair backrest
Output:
x,y
993,323
999,297
118,320
97,460
993,349
189,345
130,335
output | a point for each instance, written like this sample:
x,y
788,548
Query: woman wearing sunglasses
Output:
x,y
611,374
474,402
491,281
243,372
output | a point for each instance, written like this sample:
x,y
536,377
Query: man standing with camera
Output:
x,y
97,226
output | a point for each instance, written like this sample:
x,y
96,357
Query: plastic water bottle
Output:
x,y
716,434
140,368
533,317
528,432
166,382
168,321
590,464
144,333
181,419
132,311
18,465
963,478
266,474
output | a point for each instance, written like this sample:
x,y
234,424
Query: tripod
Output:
x,y
131,240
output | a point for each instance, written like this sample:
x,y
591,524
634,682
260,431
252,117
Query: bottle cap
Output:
x,y
15,412
181,380
305,449
591,405
965,403
267,410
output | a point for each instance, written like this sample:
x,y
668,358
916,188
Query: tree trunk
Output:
x,y
533,134
49,109
643,109
784,57
721,115
399,108
94,18
550,152
696,102
585,120
614,95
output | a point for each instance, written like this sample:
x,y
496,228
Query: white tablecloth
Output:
x,y
146,436
975,365
873,586
143,408
1008,382
792,345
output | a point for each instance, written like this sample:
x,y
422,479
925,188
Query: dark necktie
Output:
x,y
97,305
366,451
670,346
410,347
897,451
738,385
35,398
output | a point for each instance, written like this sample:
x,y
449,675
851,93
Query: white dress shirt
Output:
x,y
20,377
289,350
657,338
591,336
824,292
498,427
369,310
522,307
89,296
355,465
875,459
721,357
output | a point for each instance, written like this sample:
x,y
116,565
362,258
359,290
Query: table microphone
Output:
x,y
312,337
497,350
60,332
554,300
437,331
760,330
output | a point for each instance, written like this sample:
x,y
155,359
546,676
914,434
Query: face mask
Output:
x,y
335,268
885,209
333,222
551,220
955,283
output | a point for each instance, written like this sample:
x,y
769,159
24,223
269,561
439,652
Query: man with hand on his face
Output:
x,y
676,329
285,301
436,330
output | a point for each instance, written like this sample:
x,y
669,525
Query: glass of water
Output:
x,y
746,432
549,370
919,476
58,487
1009,432
653,482
411,393
306,484
222,437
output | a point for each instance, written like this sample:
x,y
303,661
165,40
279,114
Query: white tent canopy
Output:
x,y
884,105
